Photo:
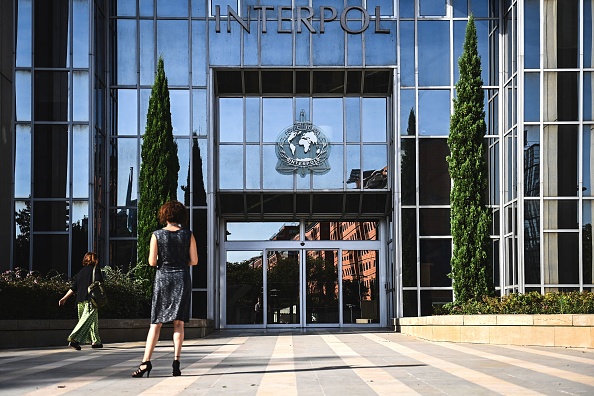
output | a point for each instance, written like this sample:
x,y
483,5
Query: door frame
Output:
x,y
302,246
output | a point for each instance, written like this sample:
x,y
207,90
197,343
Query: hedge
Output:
x,y
30,295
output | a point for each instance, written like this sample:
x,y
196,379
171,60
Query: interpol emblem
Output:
x,y
302,148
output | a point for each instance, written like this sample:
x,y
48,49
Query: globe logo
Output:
x,y
302,148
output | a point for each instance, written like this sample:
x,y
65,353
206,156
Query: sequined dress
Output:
x,y
173,287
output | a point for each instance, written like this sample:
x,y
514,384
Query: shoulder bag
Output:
x,y
96,291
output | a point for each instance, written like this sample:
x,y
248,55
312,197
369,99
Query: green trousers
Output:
x,y
87,328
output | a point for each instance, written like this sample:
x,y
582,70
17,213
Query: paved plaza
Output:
x,y
312,362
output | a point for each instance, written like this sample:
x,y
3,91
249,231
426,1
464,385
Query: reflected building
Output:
x,y
312,146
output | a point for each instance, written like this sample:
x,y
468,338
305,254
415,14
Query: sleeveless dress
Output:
x,y
173,287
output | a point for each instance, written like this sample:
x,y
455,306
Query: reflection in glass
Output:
x,y
55,216
283,295
321,288
277,115
327,115
409,247
51,253
172,44
561,258
334,178
360,286
353,119
355,47
80,33
276,48
22,241
374,119
435,262
244,277
587,103
262,231
127,170
24,34
51,96
587,242
434,49
180,112
127,121
272,180
22,92
353,161
122,254
50,171
22,164
408,170
183,157
172,8
560,214
80,94
432,7
532,241
80,159
229,41
532,161
199,51
531,34
381,49
200,127
231,167
341,231
409,300
147,52
145,96
434,112
434,178
231,119
375,173
560,160
407,53
588,35
561,96
126,48
431,299
433,221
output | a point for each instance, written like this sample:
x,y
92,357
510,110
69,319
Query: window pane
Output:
x,y
272,179
328,48
587,242
560,160
434,49
80,33
55,215
278,115
51,96
200,126
433,7
407,53
50,253
172,44
252,167
532,161
353,119
561,258
80,159
409,247
375,163
199,53
231,119
380,49
531,34
560,94
22,93
180,112
532,97
50,172
175,8
231,167
353,166
434,179
126,47
408,170
147,53
262,231
127,170
183,156
24,35
588,103
560,215
229,41
80,103
334,178
588,34
435,262
22,165
434,221
327,115
244,285
532,241
277,48
408,117
374,120
434,112
127,121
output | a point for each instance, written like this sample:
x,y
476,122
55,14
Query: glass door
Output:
x,y
283,292
322,305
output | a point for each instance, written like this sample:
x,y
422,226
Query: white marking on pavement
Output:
x,y
280,377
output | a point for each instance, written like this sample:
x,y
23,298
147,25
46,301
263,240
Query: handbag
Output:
x,y
97,294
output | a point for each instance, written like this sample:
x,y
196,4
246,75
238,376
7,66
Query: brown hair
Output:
x,y
173,212
90,259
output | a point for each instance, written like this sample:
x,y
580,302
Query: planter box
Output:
x,y
543,330
42,333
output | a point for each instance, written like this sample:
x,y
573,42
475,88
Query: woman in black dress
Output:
x,y
172,251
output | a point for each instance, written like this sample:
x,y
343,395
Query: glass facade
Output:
x,y
312,142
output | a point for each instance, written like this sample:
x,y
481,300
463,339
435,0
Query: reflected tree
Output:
x,y
23,239
587,253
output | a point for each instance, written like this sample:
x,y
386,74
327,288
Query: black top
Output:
x,y
82,280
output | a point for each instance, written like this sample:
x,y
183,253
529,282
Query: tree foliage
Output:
x,y
470,217
159,168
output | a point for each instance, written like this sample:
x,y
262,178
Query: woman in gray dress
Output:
x,y
172,251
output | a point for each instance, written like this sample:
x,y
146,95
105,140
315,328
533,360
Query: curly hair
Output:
x,y
90,259
173,212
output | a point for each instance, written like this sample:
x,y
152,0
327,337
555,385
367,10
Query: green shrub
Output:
x,y
30,295
529,303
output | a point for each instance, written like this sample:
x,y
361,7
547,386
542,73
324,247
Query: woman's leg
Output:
x,y
178,338
87,315
94,329
151,340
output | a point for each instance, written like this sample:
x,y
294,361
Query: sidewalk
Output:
x,y
313,362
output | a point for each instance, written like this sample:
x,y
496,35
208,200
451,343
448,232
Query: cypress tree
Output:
x,y
470,217
158,170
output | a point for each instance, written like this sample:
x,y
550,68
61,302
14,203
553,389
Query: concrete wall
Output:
x,y
544,330
42,333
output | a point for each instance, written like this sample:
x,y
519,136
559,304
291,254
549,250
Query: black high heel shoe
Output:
x,y
140,372
176,370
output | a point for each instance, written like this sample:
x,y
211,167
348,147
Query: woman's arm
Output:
x,y
193,252
153,253
66,297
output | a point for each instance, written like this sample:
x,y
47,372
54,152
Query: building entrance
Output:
x,y
303,282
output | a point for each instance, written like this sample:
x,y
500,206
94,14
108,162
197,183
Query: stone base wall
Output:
x,y
575,331
43,333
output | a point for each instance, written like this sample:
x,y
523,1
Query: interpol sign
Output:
x,y
302,16
302,148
